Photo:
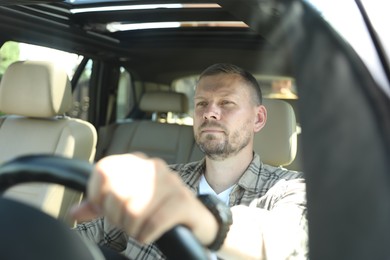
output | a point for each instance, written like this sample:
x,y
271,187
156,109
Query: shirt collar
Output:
x,y
251,177
248,181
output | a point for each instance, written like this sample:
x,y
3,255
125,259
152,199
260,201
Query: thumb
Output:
x,y
85,211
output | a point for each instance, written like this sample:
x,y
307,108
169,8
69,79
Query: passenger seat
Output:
x,y
35,95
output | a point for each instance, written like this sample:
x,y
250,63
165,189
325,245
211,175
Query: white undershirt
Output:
x,y
204,188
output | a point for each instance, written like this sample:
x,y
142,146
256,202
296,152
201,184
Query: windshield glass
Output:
x,y
354,31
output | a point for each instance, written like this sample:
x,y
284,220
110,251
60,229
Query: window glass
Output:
x,y
359,38
81,102
277,87
9,53
187,86
378,14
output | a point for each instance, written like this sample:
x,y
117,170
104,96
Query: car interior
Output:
x,y
54,133
131,89
143,109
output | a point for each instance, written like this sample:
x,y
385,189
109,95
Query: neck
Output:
x,y
221,175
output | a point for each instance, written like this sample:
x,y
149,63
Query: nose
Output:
x,y
212,113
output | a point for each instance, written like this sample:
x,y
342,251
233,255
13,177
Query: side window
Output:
x,y
187,86
125,97
278,87
81,93
9,53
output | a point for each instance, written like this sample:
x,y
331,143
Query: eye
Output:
x,y
201,104
226,102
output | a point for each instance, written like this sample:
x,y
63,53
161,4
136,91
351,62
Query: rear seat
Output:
x,y
174,143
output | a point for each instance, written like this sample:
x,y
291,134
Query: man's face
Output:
x,y
225,115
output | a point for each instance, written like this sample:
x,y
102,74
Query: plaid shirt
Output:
x,y
253,189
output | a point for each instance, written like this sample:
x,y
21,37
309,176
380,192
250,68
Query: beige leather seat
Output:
x,y
34,95
171,142
276,143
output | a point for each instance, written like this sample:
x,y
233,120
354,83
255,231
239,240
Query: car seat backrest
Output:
x,y
34,95
171,142
164,101
276,143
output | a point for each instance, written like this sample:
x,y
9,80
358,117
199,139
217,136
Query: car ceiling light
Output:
x,y
114,27
140,7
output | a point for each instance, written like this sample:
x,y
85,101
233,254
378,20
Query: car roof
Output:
x,y
210,32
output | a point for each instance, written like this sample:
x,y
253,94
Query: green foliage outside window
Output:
x,y
9,53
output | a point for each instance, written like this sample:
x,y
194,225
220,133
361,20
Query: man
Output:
x,y
141,196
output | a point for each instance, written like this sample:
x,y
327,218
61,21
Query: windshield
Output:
x,y
354,31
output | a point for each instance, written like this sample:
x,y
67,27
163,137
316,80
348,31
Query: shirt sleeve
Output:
x,y
103,233
286,234
275,225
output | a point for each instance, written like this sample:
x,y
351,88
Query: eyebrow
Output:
x,y
222,96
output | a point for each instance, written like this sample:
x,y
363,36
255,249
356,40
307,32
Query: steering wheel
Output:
x,y
31,234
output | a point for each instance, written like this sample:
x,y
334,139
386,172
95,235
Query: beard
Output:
x,y
220,148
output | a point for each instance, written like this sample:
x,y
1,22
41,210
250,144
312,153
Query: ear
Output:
x,y
261,118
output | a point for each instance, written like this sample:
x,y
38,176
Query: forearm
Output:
x,y
278,232
259,234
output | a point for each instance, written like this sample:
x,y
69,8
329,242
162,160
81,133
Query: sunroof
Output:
x,y
121,24
86,7
127,7
114,27
81,2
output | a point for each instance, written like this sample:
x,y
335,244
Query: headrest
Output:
x,y
35,89
276,143
164,101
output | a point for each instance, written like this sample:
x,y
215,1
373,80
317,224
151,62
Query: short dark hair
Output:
x,y
227,68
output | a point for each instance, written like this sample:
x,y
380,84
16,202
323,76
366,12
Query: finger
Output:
x,y
159,223
140,155
97,186
172,211
113,209
188,211
85,211
146,196
137,210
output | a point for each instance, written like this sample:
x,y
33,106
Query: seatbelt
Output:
x,y
110,108
2,119
105,132
104,137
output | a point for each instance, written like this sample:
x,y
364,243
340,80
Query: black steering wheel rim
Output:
x,y
178,243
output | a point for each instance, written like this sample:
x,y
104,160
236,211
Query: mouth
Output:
x,y
209,130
